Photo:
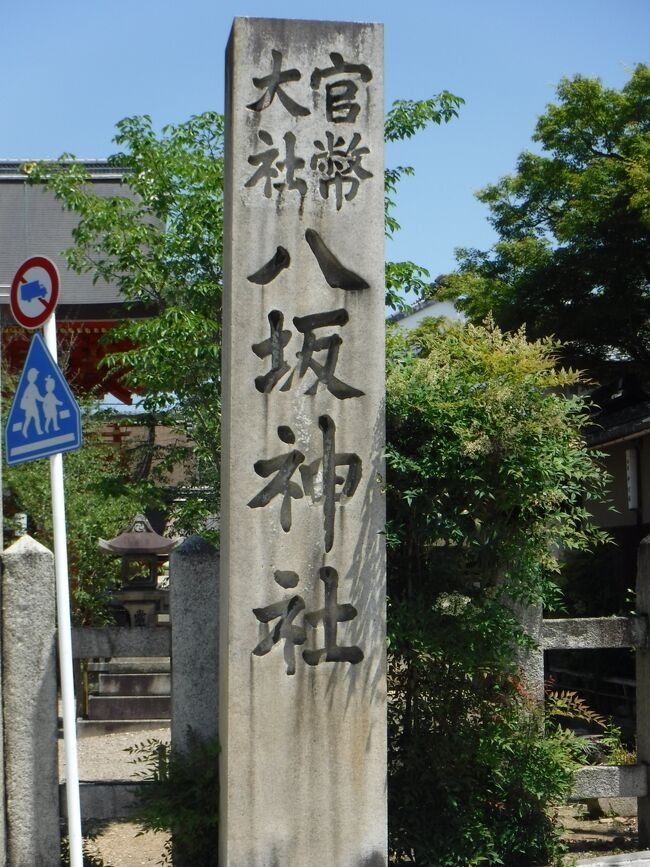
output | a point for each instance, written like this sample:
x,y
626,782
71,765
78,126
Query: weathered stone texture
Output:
x,y
610,781
116,641
643,686
30,703
587,633
194,612
303,736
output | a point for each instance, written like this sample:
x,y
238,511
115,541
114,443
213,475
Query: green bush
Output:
x,y
488,479
185,800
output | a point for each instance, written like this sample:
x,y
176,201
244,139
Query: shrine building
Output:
x,y
33,222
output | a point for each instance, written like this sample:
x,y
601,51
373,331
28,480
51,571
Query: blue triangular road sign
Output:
x,y
44,418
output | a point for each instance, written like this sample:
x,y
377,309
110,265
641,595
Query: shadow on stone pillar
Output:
x,y
29,705
643,687
194,615
531,662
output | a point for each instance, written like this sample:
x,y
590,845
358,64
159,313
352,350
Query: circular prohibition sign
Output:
x,y
33,298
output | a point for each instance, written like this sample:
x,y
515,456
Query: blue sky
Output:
x,y
73,69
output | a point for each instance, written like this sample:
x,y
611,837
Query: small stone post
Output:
x,y
531,662
194,614
3,798
29,704
643,687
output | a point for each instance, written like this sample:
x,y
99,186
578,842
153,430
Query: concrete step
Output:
x,y
134,684
131,707
90,728
633,859
132,665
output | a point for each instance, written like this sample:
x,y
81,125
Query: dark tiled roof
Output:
x,y
10,169
622,411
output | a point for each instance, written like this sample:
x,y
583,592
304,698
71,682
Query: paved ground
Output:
x,y
118,844
103,757
589,838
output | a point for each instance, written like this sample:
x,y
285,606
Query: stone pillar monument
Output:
x,y
303,693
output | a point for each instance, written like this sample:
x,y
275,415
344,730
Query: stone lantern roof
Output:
x,y
138,540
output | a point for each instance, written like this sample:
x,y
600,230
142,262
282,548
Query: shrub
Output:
x,y
488,479
185,800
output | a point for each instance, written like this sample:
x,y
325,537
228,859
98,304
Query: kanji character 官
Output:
x,y
340,106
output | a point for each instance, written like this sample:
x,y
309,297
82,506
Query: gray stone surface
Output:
x,y
594,632
135,684
531,662
3,818
643,686
194,609
304,753
637,859
598,807
105,800
109,641
129,707
610,781
29,704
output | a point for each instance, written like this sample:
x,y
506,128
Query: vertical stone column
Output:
x,y
303,695
194,615
643,687
531,662
3,797
29,704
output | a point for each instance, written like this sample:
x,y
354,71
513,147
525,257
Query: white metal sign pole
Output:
x,y
64,632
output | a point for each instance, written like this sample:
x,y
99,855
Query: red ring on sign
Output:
x,y
50,268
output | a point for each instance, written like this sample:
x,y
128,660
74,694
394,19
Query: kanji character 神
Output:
x,y
330,493
284,466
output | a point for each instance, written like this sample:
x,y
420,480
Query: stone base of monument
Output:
x,y
634,859
128,691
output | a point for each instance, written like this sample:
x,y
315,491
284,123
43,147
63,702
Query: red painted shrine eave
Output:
x,y
82,346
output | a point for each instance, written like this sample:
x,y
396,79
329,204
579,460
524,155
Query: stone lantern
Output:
x,y
141,550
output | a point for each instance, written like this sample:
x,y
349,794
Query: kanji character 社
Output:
x,y
330,615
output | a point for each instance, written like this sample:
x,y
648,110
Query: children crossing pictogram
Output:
x,y
44,418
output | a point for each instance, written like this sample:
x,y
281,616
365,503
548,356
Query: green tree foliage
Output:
x,y
101,499
161,243
573,255
487,478
404,120
184,800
